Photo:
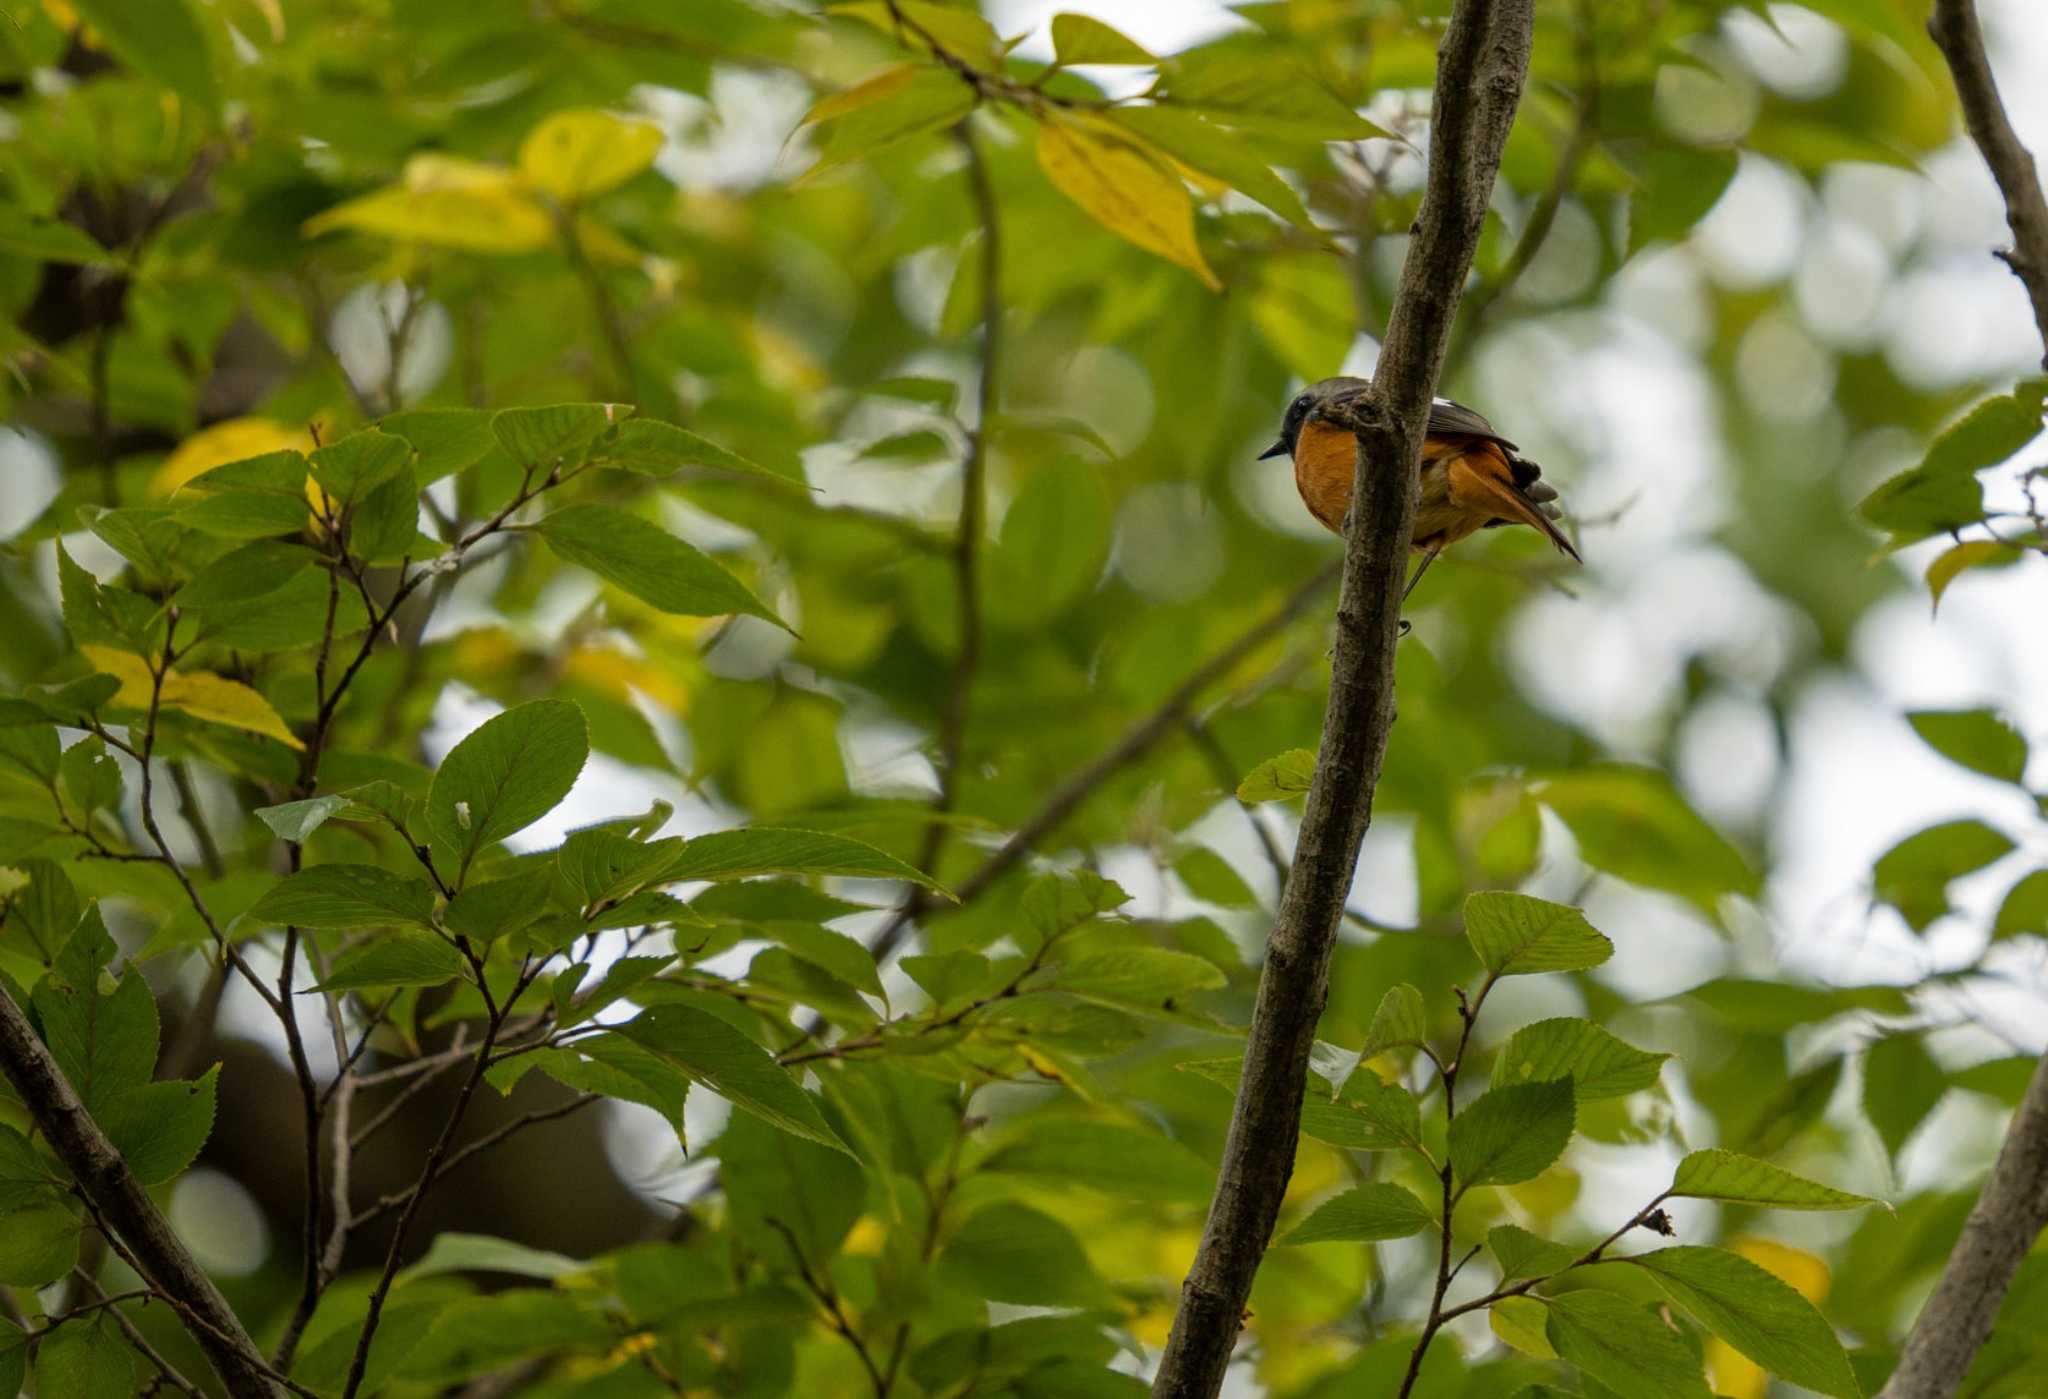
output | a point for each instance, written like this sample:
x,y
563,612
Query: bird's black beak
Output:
x,y
1278,449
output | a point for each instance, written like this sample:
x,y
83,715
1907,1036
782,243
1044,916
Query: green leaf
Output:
x,y
650,563
1127,1162
1216,151
1598,1064
619,980
88,1358
1078,39
161,40
47,239
489,909
756,850
558,435
931,99
1756,1313
1523,1255
246,574
25,1177
92,778
1976,738
1147,978
1773,1007
297,820
1391,1112
94,613
1743,1180
2025,909
13,1357
403,959
346,897
478,1334
480,1253
38,1245
1522,1322
816,1193
1253,87
1370,1115
1009,1252
160,1127
1942,492
1278,778
1516,935
1676,187
1913,876
249,499
148,538
514,769
1401,1019
960,31
1512,1134
654,448
843,957
711,1052
348,470
1625,1347
950,977
1366,1213
448,440
103,1043
1901,1085
1631,822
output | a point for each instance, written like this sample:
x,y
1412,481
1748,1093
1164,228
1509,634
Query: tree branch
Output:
x,y
115,1195
1960,38
2013,1208
1480,70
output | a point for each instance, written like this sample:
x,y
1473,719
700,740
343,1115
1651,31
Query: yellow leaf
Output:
x,y
575,155
450,203
234,439
1124,190
886,83
1953,563
199,693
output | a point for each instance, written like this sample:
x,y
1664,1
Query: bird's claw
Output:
x,y
1406,627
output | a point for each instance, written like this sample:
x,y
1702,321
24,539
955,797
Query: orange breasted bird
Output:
x,y
1472,477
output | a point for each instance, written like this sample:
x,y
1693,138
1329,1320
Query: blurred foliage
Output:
x,y
830,435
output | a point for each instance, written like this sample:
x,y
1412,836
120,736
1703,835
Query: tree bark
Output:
x,y
2013,1208
1481,66
122,1203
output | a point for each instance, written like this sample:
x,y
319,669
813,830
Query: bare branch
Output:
x,y
1480,70
1961,40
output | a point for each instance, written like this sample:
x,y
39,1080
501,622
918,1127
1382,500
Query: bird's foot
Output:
x,y
1406,627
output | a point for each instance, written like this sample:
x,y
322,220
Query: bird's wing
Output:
x,y
1448,419
1481,481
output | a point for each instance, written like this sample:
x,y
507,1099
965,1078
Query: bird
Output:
x,y
1472,477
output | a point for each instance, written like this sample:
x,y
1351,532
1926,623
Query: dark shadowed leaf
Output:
x,y
403,959
711,1052
346,896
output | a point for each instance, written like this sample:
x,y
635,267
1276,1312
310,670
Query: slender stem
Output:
x,y
490,1139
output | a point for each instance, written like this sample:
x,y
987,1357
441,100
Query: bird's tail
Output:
x,y
1540,498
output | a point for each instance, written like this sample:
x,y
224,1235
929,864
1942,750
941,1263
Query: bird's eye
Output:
x,y
1301,404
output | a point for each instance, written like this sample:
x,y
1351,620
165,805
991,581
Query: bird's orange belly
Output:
x,y
1325,458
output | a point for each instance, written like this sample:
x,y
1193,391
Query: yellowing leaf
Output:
x,y
450,203
1954,562
1124,190
575,155
884,84
233,439
199,693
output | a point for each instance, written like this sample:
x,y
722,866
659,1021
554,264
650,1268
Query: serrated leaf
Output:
x,y
349,469
1598,1064
1521,1322
1715,1174
1123,189
1626,1347
650,563
160,1128
1516,935
346,897
557,434
576,155
711,1052
1366,1213
654,448
88,1358
402,959
1511,1134
39,1246
1756,1313
512,770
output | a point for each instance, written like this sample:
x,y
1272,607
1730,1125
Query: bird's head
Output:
x,y
1306,402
